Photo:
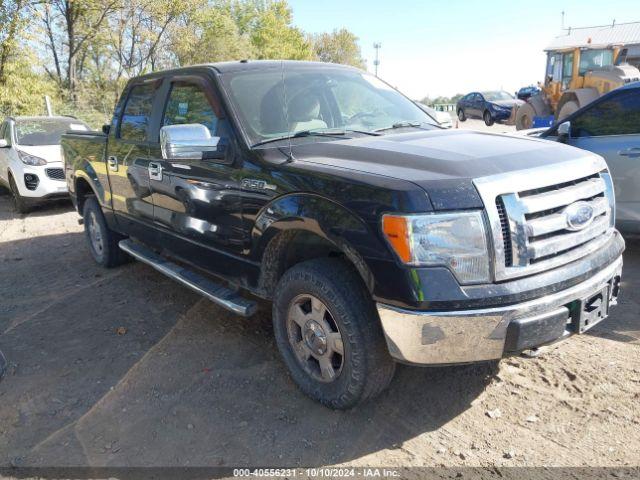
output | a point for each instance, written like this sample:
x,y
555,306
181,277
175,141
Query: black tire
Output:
x,y
366,368
105,250
20,204
488,118
461,116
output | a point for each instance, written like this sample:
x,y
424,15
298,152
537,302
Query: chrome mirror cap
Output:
x,y
187,142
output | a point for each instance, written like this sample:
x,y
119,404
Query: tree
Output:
x,y
339,46
12,22
68,25
210,34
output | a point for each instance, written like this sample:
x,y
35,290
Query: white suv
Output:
x,y
30,161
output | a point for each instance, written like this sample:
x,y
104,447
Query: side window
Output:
x,y
188,103
619,115
137,113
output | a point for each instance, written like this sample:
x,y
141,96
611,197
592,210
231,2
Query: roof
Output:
x,y
601,36
246,65
42,117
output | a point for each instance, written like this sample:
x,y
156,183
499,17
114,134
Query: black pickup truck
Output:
x,y
377,236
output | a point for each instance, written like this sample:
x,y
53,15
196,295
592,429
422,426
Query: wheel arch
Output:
x,y
301,227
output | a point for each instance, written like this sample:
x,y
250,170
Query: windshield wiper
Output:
x,y
364,132
303,133
400,125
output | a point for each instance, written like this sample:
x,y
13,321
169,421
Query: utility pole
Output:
x,y
376,62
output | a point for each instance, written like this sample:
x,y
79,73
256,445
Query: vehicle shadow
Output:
x,y
124,367
623,324
52,207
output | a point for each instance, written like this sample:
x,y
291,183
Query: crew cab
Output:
x,y
378,237
30,162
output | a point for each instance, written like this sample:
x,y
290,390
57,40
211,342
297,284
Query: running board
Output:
x,y
215,292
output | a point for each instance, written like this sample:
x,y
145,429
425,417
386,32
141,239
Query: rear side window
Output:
x,y
619,115
188,103
137,113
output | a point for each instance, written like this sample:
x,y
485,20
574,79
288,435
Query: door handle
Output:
x,y
113,163
155,171
630,152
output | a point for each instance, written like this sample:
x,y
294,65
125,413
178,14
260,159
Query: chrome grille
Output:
x,y
55,173
529,226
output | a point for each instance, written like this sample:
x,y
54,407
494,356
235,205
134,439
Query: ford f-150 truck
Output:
x,y
377,236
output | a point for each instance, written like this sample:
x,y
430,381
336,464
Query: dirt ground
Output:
x,y
124,367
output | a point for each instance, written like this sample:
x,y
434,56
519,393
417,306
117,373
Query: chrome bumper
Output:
x,y
431,338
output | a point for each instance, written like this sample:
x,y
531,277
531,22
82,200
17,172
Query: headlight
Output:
x,y
30,159
454,240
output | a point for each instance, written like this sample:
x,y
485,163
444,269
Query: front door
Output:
x,y
128,160
611,128
198,200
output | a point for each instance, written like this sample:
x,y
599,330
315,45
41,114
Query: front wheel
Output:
x,y
461,116
329,335
20,204
488,119
103,242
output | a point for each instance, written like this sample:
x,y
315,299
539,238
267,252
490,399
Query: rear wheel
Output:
x,y
328,333
20,204
103,242
488,119
567,109
461,116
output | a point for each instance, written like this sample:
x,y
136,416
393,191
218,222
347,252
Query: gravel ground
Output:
x,y
124,367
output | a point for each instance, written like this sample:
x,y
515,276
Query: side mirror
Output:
x,y
3,143
106,128
564,131
191,141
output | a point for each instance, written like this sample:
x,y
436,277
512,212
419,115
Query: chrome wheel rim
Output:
x,y
315,338
95,234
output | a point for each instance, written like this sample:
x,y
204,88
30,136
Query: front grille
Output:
x,y
55,173
528,218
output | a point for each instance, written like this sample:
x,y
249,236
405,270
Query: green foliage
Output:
x,y
339,46
82,52
210,35
275,37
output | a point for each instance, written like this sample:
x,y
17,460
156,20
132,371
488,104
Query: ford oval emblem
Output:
x,y
579,215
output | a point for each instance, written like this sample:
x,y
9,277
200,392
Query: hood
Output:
x,y
442,162
51,153
508,103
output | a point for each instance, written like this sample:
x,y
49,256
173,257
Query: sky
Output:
x,y
432,48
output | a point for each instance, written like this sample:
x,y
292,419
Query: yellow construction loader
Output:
x,y
575,76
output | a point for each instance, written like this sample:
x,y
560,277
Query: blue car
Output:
x,y
490,106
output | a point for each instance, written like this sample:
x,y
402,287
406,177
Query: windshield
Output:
x,y
45,131
309,98
497,96
593,59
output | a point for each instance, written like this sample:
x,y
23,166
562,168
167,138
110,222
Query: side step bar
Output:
x,y
217,293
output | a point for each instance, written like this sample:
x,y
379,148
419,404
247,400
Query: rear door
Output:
x,y
128,158
611,128
197,200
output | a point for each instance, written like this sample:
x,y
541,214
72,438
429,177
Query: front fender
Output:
x,y
325,218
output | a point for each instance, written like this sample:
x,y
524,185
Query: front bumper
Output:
x,y
47,187
464,336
